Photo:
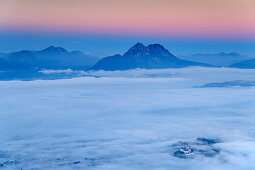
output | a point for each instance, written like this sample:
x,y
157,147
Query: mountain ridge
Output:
x,y
49,58
152,56
246,64
220,59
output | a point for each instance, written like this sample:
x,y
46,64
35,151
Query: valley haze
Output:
x,y
26,64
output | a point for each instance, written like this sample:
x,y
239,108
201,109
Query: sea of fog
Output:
x,y
128,120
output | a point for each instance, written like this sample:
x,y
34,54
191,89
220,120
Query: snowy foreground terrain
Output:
x,y
129,120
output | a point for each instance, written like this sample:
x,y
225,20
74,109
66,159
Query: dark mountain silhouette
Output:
x,y
49,58
139,56
7,66
219,59
3,64
247,64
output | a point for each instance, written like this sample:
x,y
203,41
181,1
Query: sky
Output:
x,y
106,27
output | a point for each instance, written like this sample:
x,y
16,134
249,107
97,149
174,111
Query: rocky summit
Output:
x,y
153,56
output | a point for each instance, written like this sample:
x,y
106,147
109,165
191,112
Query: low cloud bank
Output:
x,y
127,120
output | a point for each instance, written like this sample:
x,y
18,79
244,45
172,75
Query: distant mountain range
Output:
x,y
154,56
3,64
246,64
49,58
218,59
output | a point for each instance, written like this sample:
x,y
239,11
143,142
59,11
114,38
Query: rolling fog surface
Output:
x,y
127,120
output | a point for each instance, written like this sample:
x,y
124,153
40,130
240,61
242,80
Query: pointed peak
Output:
x,y
139,45
153,49
137,49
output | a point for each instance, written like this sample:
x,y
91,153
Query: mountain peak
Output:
x,y
55,49
158,49
137,50
153,49
138,46
155,46
154,56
